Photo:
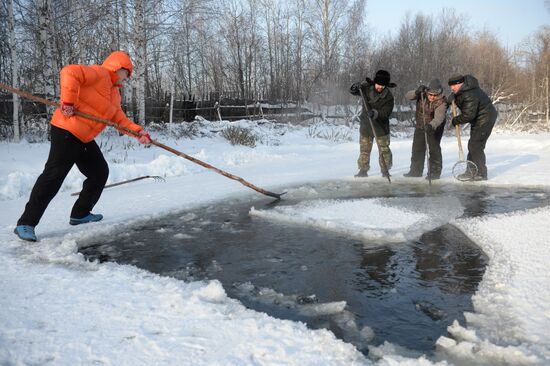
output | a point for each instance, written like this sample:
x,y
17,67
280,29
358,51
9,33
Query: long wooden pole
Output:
x,y
428,165
153,142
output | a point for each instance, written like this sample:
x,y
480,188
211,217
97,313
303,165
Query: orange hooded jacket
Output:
x,y
93,90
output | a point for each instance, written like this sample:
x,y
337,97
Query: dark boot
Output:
x,y
478,178
362,173
412,175
465,176
386,174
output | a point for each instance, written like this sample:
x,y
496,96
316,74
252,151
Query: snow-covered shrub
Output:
x,y
35,130
239,136
326,131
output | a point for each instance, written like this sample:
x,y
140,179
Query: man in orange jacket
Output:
x,y
93,90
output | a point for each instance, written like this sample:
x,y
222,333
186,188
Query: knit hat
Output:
x,y
434,87
382,77
456,79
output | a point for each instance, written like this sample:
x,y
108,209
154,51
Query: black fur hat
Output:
x,y
382,77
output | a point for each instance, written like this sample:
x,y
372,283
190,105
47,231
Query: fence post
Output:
x,y
261,110
217,106
171,111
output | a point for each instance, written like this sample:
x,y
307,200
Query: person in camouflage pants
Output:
x,y
365,148
379,100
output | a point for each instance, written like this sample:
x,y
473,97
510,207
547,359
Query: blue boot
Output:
x,y
86,219
25,232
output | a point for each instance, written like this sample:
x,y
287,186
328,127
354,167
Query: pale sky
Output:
x,y
510,20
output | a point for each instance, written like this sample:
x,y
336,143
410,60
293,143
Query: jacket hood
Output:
x,y
470,83
118,60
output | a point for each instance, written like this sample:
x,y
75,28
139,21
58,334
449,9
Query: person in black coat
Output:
x,y
379,100
476,109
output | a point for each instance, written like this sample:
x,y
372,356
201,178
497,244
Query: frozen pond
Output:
x,y
373,262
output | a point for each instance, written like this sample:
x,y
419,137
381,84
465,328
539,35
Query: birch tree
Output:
x,y
299,28
233,25
140,62
14,70
355,42
327,24
46,54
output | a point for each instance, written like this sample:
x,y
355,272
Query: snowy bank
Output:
x,y
59,309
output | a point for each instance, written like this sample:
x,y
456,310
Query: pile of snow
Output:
x,y
512,318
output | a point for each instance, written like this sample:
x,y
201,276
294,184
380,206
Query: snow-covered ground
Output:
x,y
56,308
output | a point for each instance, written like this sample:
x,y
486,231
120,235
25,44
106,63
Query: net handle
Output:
x,y
457,133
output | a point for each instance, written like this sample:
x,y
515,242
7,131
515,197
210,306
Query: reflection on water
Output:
x,y
405,293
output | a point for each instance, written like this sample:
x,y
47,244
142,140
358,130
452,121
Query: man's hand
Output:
x,y
451,98
455,121
144,137
429,129
67,109
355,87
421,89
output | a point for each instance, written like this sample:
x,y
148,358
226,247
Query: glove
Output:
x,y
455,121
144,137
67,109
429,129
355,87
451,98
421,89
373,114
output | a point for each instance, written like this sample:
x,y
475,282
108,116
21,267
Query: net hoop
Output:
x,y
464,170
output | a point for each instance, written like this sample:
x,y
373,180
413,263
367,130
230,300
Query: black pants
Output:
x,y
476,146
65,151
419,152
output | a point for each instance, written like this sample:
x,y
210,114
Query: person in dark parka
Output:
x,y
476,109
431,110
380,106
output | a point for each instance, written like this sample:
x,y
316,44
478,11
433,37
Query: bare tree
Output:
x,y
539,61
239,26
14,70
356,42
45,26
327,25
140,61
293,50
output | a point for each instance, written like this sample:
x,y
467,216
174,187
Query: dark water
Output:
x,y
405,293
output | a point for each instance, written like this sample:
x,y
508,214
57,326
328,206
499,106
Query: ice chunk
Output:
x,y
182,236
375,219
305,305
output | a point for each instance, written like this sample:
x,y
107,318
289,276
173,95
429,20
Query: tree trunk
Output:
x,y
140,59
14,71
547,99
46,47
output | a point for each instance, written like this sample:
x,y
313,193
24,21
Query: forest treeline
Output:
x,y
285,51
